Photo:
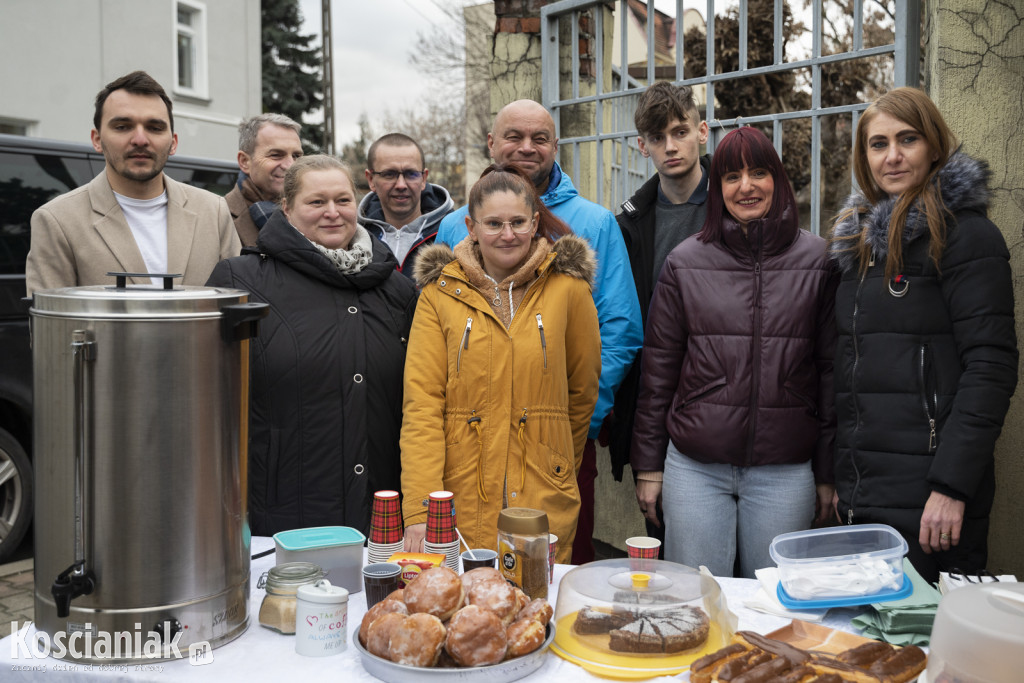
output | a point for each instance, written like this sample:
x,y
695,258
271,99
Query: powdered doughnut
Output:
x,y
476,637
437,591
378,636
381,608
396,595
524,636
495,596
522,599
417,641
479,574
539,610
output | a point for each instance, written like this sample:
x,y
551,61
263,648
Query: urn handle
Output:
x,y
241,321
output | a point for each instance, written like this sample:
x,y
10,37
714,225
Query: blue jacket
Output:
x,y
618,309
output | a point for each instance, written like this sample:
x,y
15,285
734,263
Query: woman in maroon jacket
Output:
x,y
735,422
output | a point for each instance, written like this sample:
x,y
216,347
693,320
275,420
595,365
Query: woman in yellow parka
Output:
x,y
502,370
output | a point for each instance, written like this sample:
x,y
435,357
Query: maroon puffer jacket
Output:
x,y
737,359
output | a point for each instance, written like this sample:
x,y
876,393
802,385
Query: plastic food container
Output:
x,y
855,563
978,636
337,549
636,619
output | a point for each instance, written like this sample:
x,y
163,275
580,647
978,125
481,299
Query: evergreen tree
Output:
x,y
292,69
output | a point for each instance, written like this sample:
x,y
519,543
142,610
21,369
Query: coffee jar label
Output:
x,y
511,563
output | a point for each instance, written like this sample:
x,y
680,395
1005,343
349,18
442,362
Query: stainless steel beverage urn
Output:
x,y
141,414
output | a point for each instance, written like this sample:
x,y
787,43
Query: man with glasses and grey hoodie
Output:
x,y
403,210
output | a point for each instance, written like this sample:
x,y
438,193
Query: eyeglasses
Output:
x,y
520,226
391,176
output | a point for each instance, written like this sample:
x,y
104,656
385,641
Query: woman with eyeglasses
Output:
x,y
502,382
927,356
326,367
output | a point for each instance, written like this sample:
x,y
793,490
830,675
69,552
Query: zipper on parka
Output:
x,y
929,409
853,385
464,344
543,343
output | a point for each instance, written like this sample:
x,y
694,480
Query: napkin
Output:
x,y
765,599
903,622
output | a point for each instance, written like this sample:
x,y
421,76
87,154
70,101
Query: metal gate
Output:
x,y
848,52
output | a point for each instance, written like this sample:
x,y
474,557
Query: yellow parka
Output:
x,y
497,415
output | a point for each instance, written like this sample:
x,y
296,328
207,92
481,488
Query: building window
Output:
x,y
190,48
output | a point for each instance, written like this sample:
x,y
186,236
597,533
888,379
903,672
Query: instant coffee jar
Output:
x,y
523,549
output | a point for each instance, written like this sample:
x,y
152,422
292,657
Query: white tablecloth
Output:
x,y
263,655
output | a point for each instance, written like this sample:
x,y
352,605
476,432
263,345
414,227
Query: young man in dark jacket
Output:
x,y
666,210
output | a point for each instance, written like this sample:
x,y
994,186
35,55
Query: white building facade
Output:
x,y
55,55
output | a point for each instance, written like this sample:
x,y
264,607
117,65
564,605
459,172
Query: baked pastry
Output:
x,y
378,635
437,591
752,658
539,610
522,599
417,641
381,608
398,594
649,631
476,637
480,574
524,636
495,596
591,621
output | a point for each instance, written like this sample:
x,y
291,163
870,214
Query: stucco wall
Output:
x,y
975,73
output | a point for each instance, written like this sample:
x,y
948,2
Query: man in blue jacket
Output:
x,y
524,134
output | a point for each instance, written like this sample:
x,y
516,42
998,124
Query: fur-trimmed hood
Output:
x,y
963,184
571,255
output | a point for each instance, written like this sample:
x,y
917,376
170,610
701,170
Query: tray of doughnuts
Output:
x,y
441,626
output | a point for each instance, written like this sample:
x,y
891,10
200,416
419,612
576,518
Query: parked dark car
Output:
x,y
33,171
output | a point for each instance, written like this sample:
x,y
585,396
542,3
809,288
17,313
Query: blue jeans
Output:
x,y
711,509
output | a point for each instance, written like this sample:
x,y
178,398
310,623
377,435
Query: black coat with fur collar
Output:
x,y
925,367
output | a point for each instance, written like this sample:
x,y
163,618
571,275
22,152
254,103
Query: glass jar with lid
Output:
x,y
277,611
523,549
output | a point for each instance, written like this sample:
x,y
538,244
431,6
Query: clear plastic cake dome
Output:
x,y
636,619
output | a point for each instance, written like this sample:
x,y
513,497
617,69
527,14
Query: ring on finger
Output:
x,y
944,536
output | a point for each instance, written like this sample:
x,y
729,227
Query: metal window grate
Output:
x,y
594,113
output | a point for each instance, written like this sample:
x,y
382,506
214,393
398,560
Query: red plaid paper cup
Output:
x,y
441,518
643,547
552,549
386,518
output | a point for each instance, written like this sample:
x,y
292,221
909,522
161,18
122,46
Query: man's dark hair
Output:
x,y
663,102
393,140
137,83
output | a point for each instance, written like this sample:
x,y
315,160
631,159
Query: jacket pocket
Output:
x,y
803,397
555,466
700,393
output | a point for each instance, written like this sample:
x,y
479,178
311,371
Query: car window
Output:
x,y
27,181
212,180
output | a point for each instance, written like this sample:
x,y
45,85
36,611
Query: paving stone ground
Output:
x,y
15,594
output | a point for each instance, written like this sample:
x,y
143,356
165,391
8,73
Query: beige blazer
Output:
x,y
78,237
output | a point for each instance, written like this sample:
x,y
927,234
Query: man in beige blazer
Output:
x,y
132,217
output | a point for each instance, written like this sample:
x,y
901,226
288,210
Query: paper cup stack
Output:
x,y
385,527
441,536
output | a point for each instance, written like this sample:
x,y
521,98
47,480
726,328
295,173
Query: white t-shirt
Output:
x,y
147,219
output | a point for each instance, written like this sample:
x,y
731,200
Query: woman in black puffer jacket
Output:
x,y
326,389
927,356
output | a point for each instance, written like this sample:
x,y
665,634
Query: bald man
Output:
x,y
524,134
